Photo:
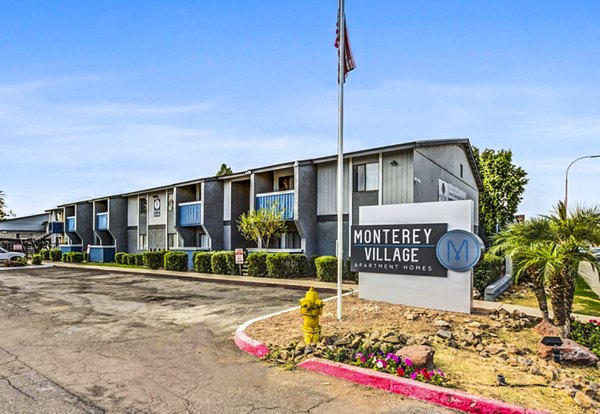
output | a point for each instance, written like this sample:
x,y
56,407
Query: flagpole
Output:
x,y
340,161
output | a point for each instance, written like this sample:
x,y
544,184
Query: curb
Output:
x,y
446,397
28,267
433,394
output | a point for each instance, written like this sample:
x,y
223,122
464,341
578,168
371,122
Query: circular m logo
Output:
x,y
459,250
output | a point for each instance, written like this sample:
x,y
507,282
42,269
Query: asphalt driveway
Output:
x,y
90,341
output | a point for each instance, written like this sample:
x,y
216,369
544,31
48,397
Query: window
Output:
x,y
142,242
366,177
461,170
143,207
172,239
170,201
203,240
286,183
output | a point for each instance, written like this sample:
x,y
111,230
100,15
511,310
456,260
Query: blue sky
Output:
x,y
99,98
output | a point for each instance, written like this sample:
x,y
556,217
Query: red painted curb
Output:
x,y
249,345
446,397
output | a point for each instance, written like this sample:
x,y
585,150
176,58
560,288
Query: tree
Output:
x,y
224,170
549,250
4,213
262,225
503,187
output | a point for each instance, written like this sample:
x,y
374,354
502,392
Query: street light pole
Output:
x,y
567,176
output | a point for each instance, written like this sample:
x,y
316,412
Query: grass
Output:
x,y
112,264
586,302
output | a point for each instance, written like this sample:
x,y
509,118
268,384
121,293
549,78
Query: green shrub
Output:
x,y
36,259
298,265
55,255
66,257
349,274
45,254
21,261
326,268
139,259
154,260
587,334
257,264
487,271
223,263
312,268
177,261
202,262
119,257
76,257
278,265
130,259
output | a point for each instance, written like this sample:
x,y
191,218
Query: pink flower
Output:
x,y
413,375
408,362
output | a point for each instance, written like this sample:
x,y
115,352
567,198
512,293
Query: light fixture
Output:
x,y
394,163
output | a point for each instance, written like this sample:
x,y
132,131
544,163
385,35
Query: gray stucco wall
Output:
x,y
117,219
132,240
240,203
157,237
84,222
326,236
305,210
262,183
443,163
212,205
363,198
186,234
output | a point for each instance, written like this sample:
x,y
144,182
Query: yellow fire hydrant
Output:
x,y
311,307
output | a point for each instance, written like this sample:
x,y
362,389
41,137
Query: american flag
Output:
x,y
348,58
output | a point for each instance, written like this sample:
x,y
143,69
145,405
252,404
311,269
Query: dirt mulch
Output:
x,y
507,346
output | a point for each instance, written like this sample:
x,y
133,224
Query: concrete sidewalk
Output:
x,y
299,284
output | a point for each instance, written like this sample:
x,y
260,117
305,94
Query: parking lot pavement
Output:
x,y
91,341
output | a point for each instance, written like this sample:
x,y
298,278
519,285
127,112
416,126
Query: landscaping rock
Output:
x,y
420,355
583,400
571,353
409,316
545,328
444,334
341,342
441,323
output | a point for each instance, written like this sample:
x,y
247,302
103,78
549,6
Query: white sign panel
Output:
x,y
451,293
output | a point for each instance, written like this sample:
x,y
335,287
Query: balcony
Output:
x,y
190,214
56,227
284,200
71,224
102,221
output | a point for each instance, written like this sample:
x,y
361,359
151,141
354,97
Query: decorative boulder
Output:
x,y
571,353
420,355
545,328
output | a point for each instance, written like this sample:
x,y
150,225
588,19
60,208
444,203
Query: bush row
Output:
x,y
129,258
72,257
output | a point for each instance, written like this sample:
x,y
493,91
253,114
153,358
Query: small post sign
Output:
x,y
408,249
239,256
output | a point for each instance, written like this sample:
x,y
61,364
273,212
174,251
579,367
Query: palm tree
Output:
x,y
548,250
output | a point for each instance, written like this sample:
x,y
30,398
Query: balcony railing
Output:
x,y
190,214
102,221
71,224
284,200
56,227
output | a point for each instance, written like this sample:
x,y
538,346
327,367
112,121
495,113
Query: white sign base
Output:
x,y
451,293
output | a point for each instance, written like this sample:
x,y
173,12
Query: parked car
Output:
x,y
6,255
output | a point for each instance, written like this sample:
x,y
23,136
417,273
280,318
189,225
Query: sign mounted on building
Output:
x,y
409,249
449,192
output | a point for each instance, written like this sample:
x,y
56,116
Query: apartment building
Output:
x,y
202,214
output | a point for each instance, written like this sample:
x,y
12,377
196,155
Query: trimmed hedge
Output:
x,y
119,257
139,259
176,261
202,262
154,260
45,254
487,271
66,257
326,268
257,264
223,263
130,259
76,257
278,265
55,255
298,265
36,259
